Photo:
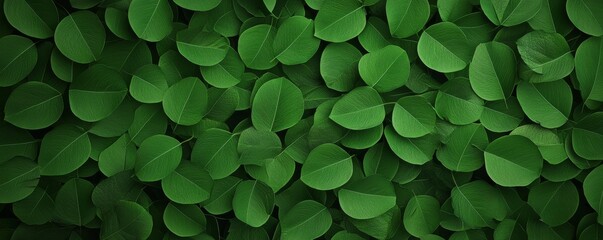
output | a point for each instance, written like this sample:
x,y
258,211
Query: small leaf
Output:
x,y
339,20
253,202
406,18
306,220
19,179
63,150
184,220
362,108
186,101
413,117
151,20
80,37
277,105
33,105
443,47
327,167
422,215
157,157
492,71
188,184
513,161
385,69
367,198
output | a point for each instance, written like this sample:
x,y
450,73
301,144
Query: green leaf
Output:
x,y
417,151
33,18
510,13
117,22
380,160
255,146
513,161
547,55
306,220
457,103
148,120
96,93
184,220
492,71
127,220
385,69
406,18
593,191
227,73
552,17
477,204
33,105
80,37
583,14
294,42
367,198
220,200
19,57
19,179
255,47
587,134
422,215
502,115
589,70
384,226
148,84
73,202
375,35
362,108
118,157
362,139
555,203
188,184
462,149
216,152
327,167
509,229
413,117
550,144
151,20
157,157
277,105
198,5
203,48
339,66
548,104
63,150
339,20
35,209
186,101
443,47
253,202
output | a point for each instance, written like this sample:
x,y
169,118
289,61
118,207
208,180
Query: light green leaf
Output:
x,y
513,161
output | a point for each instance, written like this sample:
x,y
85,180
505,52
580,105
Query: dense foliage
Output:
x,y
301,119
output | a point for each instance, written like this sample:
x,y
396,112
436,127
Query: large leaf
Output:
x,y
327,167
32,17
362,108
339,66
510,13
413,117
63,150
33,105
306,220
294,42
151,20
367,198
96,93
547,55
128,219
19,179
457,103
186,101
593,191
188,184
477,204
253,202
277,105
339,20
73,202
422,215
216,152
184,220
19,57
587,135
157,157
462,149
492,71
555,203
513,161
583,14
548,104
406,18
589,69
385,69
203,48
255,47
80,37
444,47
